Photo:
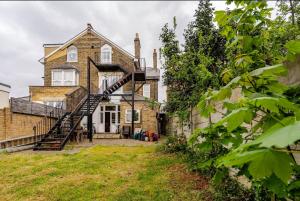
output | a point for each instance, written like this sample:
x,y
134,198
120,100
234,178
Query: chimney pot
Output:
x,y
89,26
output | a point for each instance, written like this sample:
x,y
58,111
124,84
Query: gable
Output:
x,y
61,50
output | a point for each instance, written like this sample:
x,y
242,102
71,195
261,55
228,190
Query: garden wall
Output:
x,y
15,125
176,127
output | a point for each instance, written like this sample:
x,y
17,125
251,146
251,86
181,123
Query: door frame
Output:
x,y
107,120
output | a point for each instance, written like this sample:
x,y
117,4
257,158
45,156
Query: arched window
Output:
x,y
106,54
72,54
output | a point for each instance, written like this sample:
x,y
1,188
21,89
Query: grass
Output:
x,y
114,173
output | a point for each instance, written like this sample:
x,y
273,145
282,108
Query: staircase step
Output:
x,y
106,136
50,142
47,148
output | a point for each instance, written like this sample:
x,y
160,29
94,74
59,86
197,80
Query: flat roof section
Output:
x,y
5,85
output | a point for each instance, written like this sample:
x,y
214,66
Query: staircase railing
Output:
x,y
44,126
74,98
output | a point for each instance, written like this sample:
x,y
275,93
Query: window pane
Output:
x,y
136,116
101,117
68,83
72,54
69,75
110,108
119,117
113,117
146,90
56,83
106,54
128,116
57,75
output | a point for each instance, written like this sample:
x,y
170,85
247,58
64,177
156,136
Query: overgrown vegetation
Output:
x,y
254,135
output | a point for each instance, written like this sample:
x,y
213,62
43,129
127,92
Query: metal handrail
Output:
x,y
42,127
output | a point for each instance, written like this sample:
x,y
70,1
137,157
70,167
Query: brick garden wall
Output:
x,y
14,125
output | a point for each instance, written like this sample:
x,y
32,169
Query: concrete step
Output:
x,y
106,136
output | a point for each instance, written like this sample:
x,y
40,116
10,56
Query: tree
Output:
x,y
190,72
289,10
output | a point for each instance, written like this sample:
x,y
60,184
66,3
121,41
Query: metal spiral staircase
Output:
x,y
67,125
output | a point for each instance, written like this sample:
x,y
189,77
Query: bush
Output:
x,y
230,190
175,144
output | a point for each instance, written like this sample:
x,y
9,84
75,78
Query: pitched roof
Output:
x,y
70,41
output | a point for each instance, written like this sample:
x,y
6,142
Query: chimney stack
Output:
x,y
155,59
137,46
89,27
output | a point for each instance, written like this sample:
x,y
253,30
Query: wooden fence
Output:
x,y
19,105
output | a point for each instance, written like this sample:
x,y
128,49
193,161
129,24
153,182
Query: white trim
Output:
x,y
106,47
147,93
70,50
63,80
129,110
81,34
52,45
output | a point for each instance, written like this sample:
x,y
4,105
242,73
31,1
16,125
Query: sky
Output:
x,y
26,26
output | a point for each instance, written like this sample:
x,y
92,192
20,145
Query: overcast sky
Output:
x,y
26,26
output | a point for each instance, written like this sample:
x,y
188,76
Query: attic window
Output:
x,y
106,53
72,54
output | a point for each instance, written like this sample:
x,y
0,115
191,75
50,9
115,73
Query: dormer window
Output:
x,y
72,54
106,53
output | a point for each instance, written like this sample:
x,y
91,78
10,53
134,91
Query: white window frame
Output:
x,y
62,82
72,50
106,49
128,112
147,90
56,104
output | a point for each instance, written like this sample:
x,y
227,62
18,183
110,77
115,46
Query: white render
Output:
x,y
4,95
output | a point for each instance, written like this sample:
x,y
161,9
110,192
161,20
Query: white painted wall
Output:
x,y
4,95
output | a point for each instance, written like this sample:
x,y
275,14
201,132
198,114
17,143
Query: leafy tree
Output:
x,y
188,73
289,10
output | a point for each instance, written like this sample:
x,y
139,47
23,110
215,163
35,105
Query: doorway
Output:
x,y
107,122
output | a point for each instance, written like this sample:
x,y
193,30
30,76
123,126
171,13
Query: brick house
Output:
x,y
65,81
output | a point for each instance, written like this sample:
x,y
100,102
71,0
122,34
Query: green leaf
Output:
x,y
268,162
206,164
293,48
280,137
272,104
223,93
236,118
276,186
205,146
219,176
262,163
278,69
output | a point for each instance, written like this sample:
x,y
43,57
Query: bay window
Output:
x,y
64,77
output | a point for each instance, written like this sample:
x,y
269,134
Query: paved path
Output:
x,y
113,142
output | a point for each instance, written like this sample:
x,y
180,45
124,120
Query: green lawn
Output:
x,y
97,173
